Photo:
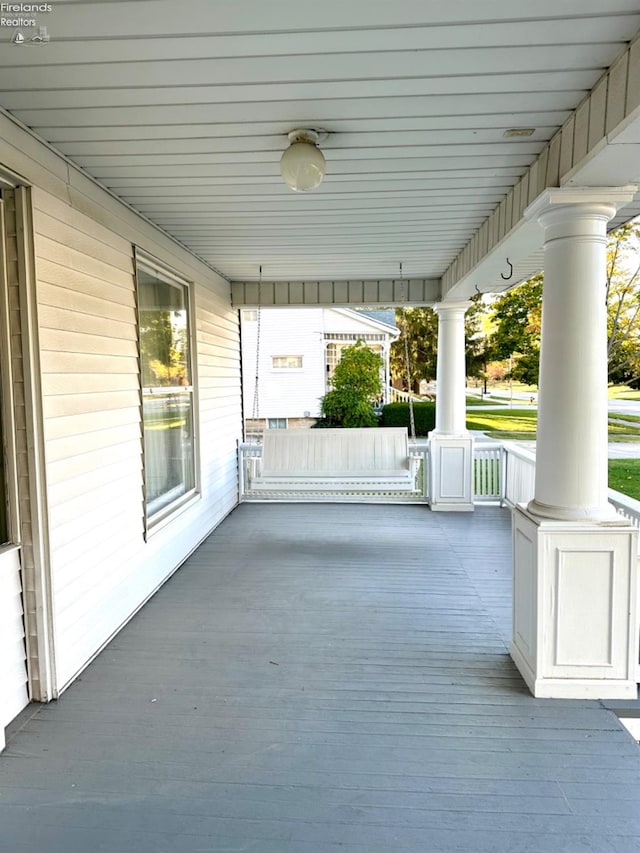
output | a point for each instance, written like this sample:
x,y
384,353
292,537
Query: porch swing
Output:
x,y
336,461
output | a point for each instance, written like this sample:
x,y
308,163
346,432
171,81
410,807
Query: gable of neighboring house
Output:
x,y
345,327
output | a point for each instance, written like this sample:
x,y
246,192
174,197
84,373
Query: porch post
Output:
x,y
450,444
575,559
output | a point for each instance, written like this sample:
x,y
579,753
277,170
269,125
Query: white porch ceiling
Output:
x,y
182,110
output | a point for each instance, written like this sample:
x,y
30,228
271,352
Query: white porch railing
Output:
x,y
626,506
504,473
398,396
250,467
488,472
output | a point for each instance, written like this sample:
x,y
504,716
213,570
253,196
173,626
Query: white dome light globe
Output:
x,y
302,165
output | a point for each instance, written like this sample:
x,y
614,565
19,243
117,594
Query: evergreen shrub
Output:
x,y
397,415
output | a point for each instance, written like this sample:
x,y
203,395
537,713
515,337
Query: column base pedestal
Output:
x,y
575,629
451,477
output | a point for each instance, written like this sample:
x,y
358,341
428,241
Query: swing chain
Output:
x,y
256,393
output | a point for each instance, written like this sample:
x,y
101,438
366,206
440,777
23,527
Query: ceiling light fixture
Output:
x,y
302,165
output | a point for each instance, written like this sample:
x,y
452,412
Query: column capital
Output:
x,y
603,200
452,308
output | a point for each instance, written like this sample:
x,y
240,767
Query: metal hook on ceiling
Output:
x,y
510,276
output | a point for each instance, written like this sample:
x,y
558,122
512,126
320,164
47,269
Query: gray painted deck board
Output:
x,y
323,678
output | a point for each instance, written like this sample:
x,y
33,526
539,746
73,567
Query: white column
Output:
x,y
573,404
451,445
451,373
575,559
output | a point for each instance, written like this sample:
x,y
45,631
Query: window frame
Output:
x,y
270,421
157,520
8,446
285,366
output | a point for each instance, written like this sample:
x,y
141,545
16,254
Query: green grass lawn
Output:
x,y
505,385
616,392
623,432
513,421
623,392
624,476
483,401
521,424
625,417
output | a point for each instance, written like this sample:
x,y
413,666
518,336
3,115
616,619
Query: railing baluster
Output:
x,y
487,472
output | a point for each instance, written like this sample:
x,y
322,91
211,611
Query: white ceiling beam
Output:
x,y
351,292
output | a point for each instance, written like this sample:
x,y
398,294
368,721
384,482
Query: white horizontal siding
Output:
x,y
102,569
66,362
76,466
13,673
70,341
219,401
79,425
284,392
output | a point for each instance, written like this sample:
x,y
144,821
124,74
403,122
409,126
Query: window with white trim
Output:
x,y
276,423
286,362
167,391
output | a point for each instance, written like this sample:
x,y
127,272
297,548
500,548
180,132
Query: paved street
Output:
x,y
617,449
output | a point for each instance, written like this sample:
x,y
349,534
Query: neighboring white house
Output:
x,y
298,351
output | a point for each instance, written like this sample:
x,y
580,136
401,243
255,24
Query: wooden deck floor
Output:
x,y
316,679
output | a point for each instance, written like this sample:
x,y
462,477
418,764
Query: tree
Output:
x,y
163,347
517,314
479,349
355,386
623,303
420,327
